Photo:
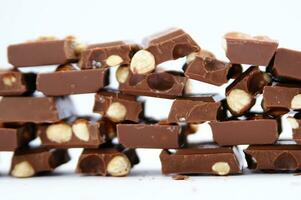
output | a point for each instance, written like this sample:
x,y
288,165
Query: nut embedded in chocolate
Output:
x,y
81,130
119,166
221,168
239,101
116,112
23,170
59,133
143,62
122,73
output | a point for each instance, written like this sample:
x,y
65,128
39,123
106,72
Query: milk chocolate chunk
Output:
x,y
42,52
281,97
14,136
14,83
287,64
107,161
170,45
157,84
34,109
31,162
107,54
150,136
237,132
118,107
80,133
278,157
241,93
203,159
194,110
69,82
208,69
242,48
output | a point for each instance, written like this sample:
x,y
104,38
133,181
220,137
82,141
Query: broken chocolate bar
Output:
x,y
150,136
237,132
196,109
157,84
203,159
30,162
47,51
278,157
107,161
203,67
244,49
81,133
241,93
68,82
14,136
118,107
107,54
14,83
34,109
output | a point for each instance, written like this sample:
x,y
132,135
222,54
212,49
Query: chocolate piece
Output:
x,y
150,136
42,52
81,133
287,64
30,162
241,93
281,98
107,161
201,160
34,109
208,69
158,84
170,45
278,157
14,83
118,107
236,132
244,49
107,54
194,110
72,82
14,136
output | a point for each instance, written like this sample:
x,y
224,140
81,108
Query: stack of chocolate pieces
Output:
x,y
271,72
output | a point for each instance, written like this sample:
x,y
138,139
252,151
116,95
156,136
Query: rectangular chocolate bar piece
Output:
x,y
14,83
237,132
118,107
107,161
107,54
67,82
277,158
80,133
31,162
150,136
287,64
201,159
34,109
14,136
42,52
203,66
157,84
196,109
242,48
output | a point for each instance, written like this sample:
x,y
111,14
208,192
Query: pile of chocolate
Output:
x,y
38,106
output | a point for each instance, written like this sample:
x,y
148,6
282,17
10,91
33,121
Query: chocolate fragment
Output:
x,y
118,107
237,132
42,52
150,136
34,109
201,160
273,158
244,49
107,55
72,82
14,136
180,177
107,161
31,162
14,83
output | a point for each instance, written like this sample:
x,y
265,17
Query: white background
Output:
x,y
99,21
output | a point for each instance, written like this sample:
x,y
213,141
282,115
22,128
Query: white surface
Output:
x,y
98,21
